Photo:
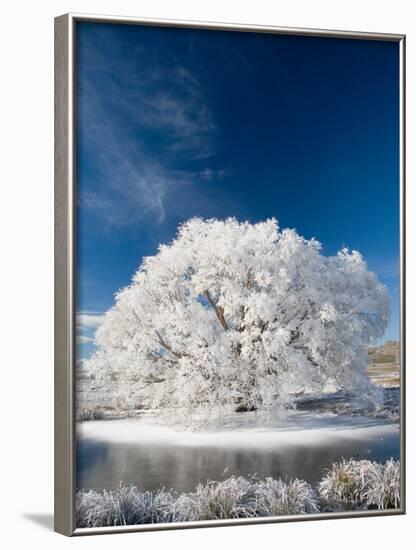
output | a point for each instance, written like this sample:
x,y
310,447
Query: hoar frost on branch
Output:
x,y
241,314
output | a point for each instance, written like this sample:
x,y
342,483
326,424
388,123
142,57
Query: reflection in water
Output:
x,y
103,465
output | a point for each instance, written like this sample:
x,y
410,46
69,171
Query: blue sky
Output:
x,y
174,123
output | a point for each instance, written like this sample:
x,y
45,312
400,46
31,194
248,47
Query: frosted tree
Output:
x,y
241,315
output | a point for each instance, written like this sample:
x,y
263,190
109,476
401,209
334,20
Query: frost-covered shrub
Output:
x,y
95,509
363,484
382,487
348,484
151,507
123,401
232,498
238,497
90,413
343,481
123,506
276,498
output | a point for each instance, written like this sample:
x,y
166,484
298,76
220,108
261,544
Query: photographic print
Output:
x,y
237,275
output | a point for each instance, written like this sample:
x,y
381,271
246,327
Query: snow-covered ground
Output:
x,y
241,430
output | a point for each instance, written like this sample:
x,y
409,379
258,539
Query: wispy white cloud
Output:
x,y
88,320
81,339
163,100
87,323
184,117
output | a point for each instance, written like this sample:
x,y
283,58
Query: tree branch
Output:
x,y
168,348
219,312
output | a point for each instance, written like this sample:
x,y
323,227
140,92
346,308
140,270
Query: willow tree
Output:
x,y
241,315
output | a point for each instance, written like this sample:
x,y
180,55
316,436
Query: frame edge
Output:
x,y
402,319
242,27
63,318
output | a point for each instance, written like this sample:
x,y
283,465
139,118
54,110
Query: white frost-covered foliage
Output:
x,y
124,506
382,489
232,498
348,484
239,497
363,484
229,499
241,314
280,498
344,481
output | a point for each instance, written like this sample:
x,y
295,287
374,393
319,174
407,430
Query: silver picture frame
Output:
x,y
65,263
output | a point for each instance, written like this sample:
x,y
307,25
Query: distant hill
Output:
x,y
384,367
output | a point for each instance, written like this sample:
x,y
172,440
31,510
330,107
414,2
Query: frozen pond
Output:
x,y
139,452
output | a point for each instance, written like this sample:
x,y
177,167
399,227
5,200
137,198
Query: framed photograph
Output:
x,y
229,321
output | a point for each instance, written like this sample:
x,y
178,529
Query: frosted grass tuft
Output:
x,y
356,484
362,484
232,498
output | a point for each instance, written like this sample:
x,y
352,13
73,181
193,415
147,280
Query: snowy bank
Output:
x,y
241,430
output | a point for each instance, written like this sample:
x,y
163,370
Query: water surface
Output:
x,y
134,452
